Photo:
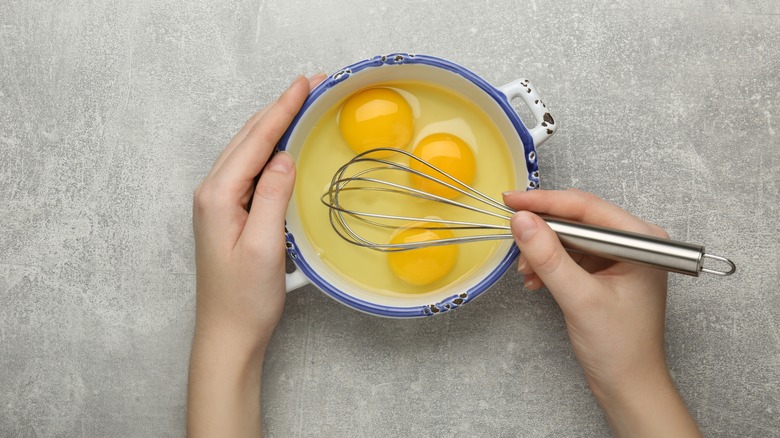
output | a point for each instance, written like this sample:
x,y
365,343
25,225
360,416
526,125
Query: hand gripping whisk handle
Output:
x,y
671,255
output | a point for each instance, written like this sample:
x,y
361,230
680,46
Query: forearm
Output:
x,y
240,270
652,408
224,386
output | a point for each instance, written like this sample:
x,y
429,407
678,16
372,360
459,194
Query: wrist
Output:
x,y
233,331
225,375
233,341
624,393
618,387
645,405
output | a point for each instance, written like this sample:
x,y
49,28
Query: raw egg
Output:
x,y
422,266
376,117
450,154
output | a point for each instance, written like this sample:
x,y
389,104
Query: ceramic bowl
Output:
x,y
495,101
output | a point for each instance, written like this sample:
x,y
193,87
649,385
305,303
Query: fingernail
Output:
x,y
512,192
297,78
281,162
523,226
320,75
528,284
521,264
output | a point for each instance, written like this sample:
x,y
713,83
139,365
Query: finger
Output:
x,y
590,264
265,225
532,282
547,258
314,80
238,138
522,265
579,206
250,155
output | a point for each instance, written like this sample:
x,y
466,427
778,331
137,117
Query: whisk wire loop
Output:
x,y
352,178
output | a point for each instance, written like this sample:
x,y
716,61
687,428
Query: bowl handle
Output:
x,y
545,124
295,280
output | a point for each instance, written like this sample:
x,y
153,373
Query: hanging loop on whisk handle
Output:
x,y
671,255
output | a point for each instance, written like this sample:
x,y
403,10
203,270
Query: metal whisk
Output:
x,y
383,174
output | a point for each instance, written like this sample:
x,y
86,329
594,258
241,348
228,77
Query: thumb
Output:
x,y
269,204
545,255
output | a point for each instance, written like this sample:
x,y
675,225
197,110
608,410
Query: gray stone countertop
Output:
x,y
111,112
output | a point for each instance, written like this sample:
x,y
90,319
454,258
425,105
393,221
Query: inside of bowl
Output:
x,y
381,75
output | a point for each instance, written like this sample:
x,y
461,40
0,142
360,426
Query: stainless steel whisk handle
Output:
x,y
671,255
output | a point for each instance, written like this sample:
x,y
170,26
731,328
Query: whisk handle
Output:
x,y
671,255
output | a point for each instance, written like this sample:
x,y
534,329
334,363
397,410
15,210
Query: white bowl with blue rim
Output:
x,y
495,101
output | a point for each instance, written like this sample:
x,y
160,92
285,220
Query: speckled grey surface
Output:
x,y
112,111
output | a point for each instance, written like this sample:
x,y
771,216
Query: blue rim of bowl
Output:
x,y
461,297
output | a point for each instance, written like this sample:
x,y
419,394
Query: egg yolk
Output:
x,y
422,266
376,117
450,154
